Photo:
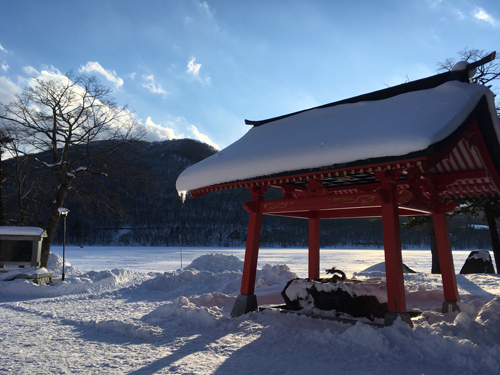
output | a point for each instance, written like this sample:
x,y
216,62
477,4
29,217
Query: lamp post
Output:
x,y
64,212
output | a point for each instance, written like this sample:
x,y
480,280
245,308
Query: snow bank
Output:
x,y
131,329
11,274
489,316
217,263
197,278
76,281
185,312
197,282
55,264
378,270
272,275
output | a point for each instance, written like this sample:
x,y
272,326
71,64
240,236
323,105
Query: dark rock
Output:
x,y
478,261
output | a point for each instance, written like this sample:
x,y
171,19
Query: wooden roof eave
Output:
x,y
282,179
423,160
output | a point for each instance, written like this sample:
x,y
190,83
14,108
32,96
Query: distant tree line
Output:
x,y
156,216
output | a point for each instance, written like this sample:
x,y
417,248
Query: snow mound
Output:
x,y
11,274
185,311
480,254
198,279
489,315
217,263
378,270
272,275
90,282
55,264
193,281
129,329
213,299
107,278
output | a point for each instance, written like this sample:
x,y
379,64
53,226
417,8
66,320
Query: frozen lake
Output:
x,y
161,259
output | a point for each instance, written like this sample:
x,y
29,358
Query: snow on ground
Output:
x,y
114,314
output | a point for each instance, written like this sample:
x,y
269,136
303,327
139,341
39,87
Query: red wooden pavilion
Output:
x,y
402,151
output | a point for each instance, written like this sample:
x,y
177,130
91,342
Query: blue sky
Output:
x,y
197,69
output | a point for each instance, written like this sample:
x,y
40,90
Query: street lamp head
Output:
x,y
63,211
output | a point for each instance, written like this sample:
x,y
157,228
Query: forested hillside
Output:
x,y
156,216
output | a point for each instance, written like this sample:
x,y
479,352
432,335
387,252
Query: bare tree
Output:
x,y
4,139
486,74
67,131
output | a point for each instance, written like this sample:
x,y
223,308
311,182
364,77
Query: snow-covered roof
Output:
x,y
20,231
340,134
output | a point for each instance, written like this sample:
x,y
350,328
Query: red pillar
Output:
x,y
253,241
392,248
314,223
445,257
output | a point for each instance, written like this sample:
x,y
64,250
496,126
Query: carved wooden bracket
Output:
x,y
314,189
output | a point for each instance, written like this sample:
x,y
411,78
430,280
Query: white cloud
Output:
x,y
152,86
4,67
4,50
31,71
132,75
202,137
206,8
194,70
48,73
8,89
482,15
174,128
159,133
94,66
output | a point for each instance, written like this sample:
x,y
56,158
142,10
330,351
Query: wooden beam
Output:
x,y
396,298
253,242
314,246
320,203
445,257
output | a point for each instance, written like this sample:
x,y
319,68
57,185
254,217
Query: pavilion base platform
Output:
x,y
391,317
342,318
450,306
458,306
244,304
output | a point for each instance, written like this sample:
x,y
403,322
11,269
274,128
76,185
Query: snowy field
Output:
x,y
130,310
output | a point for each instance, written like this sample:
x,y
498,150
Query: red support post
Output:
x,y
445,257
253,241
314,226
392,249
